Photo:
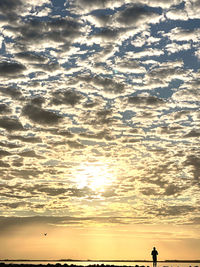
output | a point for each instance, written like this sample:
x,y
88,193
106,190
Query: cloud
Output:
x,y
173,190
85,6
12,92
193,133
128,65
176,210
135,15
177,14
35,34
4,153
104,134
29,153
11,69
75,144
175,47
14,205
192,8
145,101
66,97
31,57
10,124
149,52
4,109
108,34
9,9
28,139
9,223
4,164
108,85
183,34
40,115
194,162
106,82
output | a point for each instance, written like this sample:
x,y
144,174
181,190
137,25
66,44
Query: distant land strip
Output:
x,y
71,260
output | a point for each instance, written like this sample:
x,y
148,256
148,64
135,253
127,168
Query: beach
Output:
x,y
88,264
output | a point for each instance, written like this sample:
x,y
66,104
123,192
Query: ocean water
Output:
x,y
118,263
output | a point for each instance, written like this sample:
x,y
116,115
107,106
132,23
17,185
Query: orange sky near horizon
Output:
x,y
127,242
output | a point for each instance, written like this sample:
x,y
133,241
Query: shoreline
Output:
x,y
70,260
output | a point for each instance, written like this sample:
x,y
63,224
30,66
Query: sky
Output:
x,y
99,129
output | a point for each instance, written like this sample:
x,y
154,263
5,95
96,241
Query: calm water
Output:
x,y
127,263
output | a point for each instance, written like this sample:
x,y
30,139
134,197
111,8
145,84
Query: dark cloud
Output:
x,y
193,133
131,15
11,69
17,163
98,117
10,124
12,92
29,153
108,33
31,57
50,67
57,30
176,210
26,173
7,223
104,134
108,85
65,133
9,145
103,19
66,97
173,190
84,192
3,164
164,74
75,144
132,140
4,153
13,205
28,139
50,191
4,109
9,9
194,161
39,115
145,100
38,101
150,191
8,5
170,130
90,104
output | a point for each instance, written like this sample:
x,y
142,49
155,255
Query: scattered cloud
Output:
x,y
99,111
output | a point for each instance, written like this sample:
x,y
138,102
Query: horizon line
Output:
x,y
88,260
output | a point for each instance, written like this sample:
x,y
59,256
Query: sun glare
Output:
x,y
96,176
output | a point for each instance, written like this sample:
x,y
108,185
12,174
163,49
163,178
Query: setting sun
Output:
x,y
97,176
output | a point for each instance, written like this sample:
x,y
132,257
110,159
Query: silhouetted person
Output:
x,y
154,254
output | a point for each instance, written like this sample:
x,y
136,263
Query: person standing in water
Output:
x,y
154,254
